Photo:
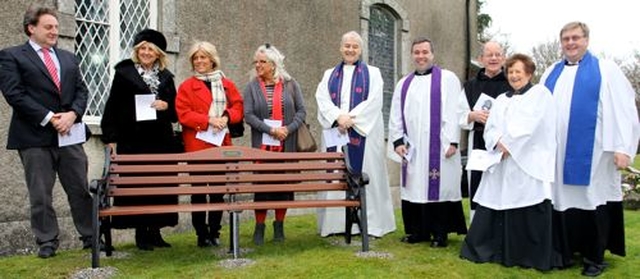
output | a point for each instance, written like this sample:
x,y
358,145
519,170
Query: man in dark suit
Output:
x,y
44,87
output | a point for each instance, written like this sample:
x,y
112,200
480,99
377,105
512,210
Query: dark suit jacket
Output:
x,y
29,89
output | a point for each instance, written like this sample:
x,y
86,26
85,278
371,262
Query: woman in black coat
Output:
x,y
144,74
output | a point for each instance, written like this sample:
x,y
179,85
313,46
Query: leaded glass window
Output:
x,y
104,34
383,51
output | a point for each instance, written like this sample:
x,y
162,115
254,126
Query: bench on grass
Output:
x,y
236,171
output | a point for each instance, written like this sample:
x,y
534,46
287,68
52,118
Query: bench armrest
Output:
x,y
355,180
98,187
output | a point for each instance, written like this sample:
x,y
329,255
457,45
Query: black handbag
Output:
x,y
236,130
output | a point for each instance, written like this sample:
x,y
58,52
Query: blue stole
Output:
x,y
359,93
435,127
582,119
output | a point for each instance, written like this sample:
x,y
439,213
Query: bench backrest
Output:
x,y
232,169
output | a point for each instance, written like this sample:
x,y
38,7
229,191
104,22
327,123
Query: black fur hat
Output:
x,y
151,36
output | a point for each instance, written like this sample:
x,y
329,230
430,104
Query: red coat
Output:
x,y
192,105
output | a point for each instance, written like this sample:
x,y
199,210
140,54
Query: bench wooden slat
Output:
x,y
228,153
224,179
243,167
238,206
227,189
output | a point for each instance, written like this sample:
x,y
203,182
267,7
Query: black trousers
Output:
x,y
207,224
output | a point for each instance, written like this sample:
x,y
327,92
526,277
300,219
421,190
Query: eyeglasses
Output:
x,y
260,62
491,55
574,38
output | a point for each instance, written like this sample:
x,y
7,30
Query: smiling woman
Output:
x,y
207,103
146,75
514,198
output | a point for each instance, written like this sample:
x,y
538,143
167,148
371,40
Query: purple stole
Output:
x,y
583,115
359,93
435,127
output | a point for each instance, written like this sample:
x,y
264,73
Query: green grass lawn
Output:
x,y
306,255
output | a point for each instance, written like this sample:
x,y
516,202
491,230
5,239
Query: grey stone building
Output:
x,y
308,32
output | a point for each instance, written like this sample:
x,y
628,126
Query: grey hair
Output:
x,y
483,47
352,35
274,56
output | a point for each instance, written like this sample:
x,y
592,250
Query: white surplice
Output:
x,y
368,123
525,124
617,130
418,114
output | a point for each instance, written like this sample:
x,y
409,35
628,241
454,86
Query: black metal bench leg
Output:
x,y
106,231
364,228
348,224
95,246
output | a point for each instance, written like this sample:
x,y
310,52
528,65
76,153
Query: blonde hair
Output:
x,y
162,60
276,58
208,49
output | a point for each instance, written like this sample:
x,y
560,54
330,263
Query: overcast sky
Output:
x,y
614,24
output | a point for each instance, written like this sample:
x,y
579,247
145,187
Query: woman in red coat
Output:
x,y
207,102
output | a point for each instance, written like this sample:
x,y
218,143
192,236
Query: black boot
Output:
x,y
204,241
258,234
143,239
156,238
278,231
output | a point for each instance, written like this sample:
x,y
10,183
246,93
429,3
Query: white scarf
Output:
x,y
218,98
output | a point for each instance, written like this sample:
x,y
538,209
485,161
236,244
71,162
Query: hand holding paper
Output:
x,y
144,108
212,136
333,137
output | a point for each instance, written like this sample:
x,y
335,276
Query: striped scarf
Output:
x,y
218,98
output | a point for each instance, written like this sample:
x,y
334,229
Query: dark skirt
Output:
x,y
274,196
427,220
513,237
147,220
590,232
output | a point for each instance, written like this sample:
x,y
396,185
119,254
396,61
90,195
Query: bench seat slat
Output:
x,y
228,153
227,189
225,178
243,167
157,209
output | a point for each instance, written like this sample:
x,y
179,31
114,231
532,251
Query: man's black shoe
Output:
x,y
592,270
46,252
439,244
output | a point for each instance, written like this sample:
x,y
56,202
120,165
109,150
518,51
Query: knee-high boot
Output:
x,y
258,234
278,231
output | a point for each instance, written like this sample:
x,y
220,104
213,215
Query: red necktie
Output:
x,y
51,67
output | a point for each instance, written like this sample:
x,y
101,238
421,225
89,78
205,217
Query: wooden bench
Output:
x,y
235,171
